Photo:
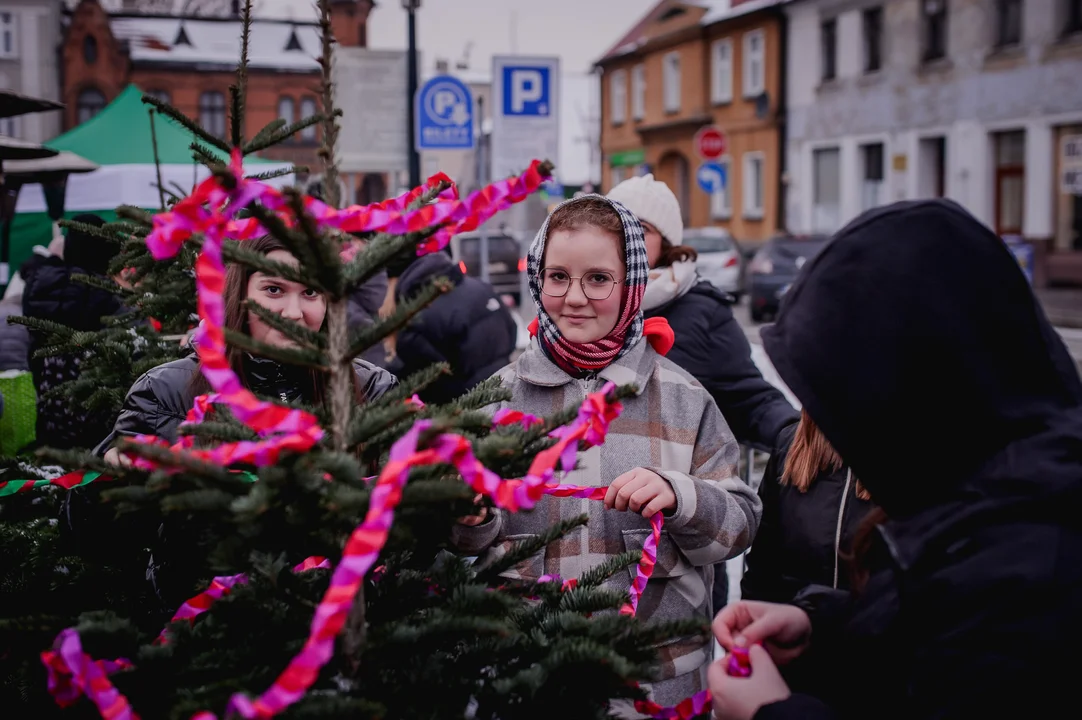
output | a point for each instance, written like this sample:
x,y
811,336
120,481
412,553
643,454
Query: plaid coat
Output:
x,y
671,427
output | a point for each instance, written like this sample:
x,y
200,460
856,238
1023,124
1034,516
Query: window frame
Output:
x,y
871,20
618,97
753,211
721,203
206,107
721,71
828,50
749,60
671,81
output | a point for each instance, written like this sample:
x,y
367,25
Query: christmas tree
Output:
x,y
301,556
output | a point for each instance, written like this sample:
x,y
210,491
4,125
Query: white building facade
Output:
x,y
979,101
29,63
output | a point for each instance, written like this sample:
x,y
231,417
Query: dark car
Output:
x,y
506,260
774,267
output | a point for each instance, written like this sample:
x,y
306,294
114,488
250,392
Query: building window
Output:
x,y
826,190
8,33
1072,17
638,92
619,174
308,109
9,127
671,82
935,29
721,71
871,189
212,113
89,103
1008,22
90,49
932,167
828,50
873,39
618,96
752,185
754,64
1010,149
720,202
160,95
286,112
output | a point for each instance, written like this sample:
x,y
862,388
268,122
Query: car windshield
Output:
x,y
708,243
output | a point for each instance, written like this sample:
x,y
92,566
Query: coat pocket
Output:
x,y
529,569
670,561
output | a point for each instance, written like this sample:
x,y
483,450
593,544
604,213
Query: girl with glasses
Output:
x,y
670,450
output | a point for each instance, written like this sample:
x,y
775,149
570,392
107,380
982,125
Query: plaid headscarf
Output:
x,y
583,358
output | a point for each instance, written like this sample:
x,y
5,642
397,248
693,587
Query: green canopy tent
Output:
x,y
119,140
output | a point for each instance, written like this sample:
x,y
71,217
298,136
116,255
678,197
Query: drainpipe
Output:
x,y
782,121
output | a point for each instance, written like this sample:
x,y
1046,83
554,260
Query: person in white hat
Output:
x,y
710,344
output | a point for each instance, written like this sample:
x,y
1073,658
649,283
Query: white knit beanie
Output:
x,y
652,201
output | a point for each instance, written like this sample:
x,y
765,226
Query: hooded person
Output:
x,y
51,294
915,331
669,451
468,328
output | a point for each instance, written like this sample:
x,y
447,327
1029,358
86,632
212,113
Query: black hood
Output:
x,y
915,343
423,269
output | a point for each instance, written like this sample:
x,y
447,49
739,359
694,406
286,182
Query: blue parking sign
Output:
x,y
527,90
444,115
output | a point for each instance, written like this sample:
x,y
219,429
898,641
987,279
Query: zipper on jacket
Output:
x,y
838,531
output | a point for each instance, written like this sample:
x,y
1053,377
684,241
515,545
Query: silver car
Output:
x,y
719,258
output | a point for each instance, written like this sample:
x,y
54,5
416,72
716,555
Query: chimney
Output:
x,y
349,21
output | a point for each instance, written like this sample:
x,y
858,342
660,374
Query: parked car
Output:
x,y
774,267
720,258
506,260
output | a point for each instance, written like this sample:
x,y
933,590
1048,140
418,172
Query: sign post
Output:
x,y
710,142
444,115
525,112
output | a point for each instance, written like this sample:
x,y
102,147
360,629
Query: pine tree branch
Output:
x,y
218,431
204,156
269,129
327,247
329,150
157,158
192,126
379,251
137,214
283,132
597,575
240,91
295,242
526,549
103,284
303,357
291,329
368,336
272,174
235,252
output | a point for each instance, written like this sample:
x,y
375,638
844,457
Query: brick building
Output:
x,y
190,63
687,65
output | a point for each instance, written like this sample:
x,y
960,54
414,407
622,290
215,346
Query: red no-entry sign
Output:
x,y
710,142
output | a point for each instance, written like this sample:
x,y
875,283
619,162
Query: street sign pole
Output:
x,y
482,180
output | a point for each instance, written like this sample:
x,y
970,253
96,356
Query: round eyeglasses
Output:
x,y
596,285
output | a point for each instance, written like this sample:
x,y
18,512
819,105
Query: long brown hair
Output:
x,y
235,296
809,454
674,253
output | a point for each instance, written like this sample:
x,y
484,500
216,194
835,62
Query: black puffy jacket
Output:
x,y
467,328
805,537
711,345
51,294
161,398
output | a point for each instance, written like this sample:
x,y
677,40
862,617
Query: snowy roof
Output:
x,y
716,11
275,45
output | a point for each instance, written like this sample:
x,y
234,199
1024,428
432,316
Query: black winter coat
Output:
x,y
467,328
160,399
971,609
711,345
51,294
364,304
804,538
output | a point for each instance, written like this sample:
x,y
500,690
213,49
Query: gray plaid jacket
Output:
x,y
671,427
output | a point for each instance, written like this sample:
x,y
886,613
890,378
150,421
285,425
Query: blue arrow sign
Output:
x,y
444,115
711,177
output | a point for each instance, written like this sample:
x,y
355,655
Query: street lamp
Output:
x,y
411,7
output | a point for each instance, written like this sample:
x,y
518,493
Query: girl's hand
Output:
x,y
738,698
474,520
785,630
113,457
641,490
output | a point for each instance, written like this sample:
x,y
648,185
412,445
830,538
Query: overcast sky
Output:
x,y
579,31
